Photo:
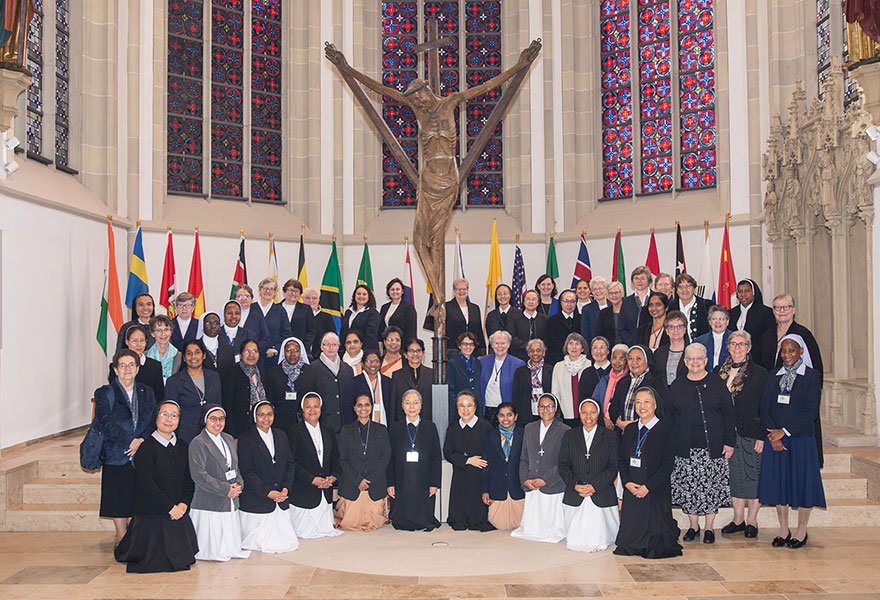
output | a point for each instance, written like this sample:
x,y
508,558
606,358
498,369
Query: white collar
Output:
x,y
687,307
143,359
566,315
471,424
416,422
315,312
654,420
230,331
546,427
313,427
603,365
530,315
358,311
744,308
801,370
504,310
158,437
601,306
184,323
642,298
718,336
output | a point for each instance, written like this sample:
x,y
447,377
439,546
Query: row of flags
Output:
x,y
111,318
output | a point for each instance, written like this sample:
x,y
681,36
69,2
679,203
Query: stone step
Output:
x,y
51,469
841,512
846,437
844,485
62,490
56,517
837,463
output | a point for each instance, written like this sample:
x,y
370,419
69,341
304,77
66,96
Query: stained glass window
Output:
x,y
266,100
485,184
227,98
399,67
850,85
62,83
185,106
35,89
823,40
655,102
617,129
696,48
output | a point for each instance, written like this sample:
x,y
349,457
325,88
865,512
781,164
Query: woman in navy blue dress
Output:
x,y
790,469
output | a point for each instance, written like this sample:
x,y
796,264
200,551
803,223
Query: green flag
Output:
x,y
331,289
365,273
102,320
552,265
618,272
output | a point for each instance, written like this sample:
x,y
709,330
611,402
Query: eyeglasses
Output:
x,y
330,344
126,365
243,297
185,305
739,344
263,415
250,351
415,351
467,343
694,358
220,419
168,415
783,307
546,407
675,327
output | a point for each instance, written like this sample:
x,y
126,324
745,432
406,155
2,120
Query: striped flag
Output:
x,y
582,266
195,285
110,319
680,266
137,273
301,265
407,274
365,272
169,279
273,265
331,289
618,269
653,260
726,276
519,279
240,275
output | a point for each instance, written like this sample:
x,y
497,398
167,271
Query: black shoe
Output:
x,y
709,537
779,542
690,535
795,543
751,531
733,528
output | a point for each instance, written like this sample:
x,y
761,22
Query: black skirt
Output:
x,y
117,491
158,544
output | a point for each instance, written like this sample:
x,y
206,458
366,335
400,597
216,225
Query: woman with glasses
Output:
x,y
219,357
161,537
353,344
745,380
715,341
288,381
122,409
463,315
694,308
392,358
162,350
463,371
608,324
669,359
184,326
149,370
233,334
463,448
277,321
332,377
252,319
413,376
242,388
192,388
702,411
213,466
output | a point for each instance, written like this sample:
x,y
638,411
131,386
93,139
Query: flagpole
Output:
x,y
706,228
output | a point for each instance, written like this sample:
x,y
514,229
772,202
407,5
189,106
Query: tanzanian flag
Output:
x,y
137,274
365,272
331,289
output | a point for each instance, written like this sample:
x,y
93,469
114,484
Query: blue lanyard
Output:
x,y
412,438
641,438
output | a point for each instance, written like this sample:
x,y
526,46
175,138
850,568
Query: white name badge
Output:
x,y
635,462
290,396
536,395
238,358
783,399
230,474
412,456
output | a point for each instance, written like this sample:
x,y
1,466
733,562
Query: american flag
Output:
x,y
582,266
519,279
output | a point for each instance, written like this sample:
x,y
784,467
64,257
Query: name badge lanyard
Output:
x,y
496,374
367,439
226,456
641,438
412,438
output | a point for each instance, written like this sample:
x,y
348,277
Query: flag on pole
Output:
x,y
706,282
582,268
407,274
331,289
519,279
653,260
195,286
240,275
110,319
618,270
494,277
137,273
301,265
457,262
169,279
552,265
726,277
680,266
273,265
365,271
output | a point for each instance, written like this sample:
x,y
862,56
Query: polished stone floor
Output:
x,y
837,564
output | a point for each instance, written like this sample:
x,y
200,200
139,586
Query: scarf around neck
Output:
x,y
788,377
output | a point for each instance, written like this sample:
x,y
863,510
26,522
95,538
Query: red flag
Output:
x,y
195,286
169,279
653,260
726,277
114,301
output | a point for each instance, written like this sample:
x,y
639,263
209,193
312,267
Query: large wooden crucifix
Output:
x,y
440,178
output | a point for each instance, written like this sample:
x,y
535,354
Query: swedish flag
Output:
x,y
137,274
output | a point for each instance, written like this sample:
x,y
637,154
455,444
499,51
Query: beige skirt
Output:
x,y
506,514
363,514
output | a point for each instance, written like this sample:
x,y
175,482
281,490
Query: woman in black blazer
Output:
x,y
746,381
142,311
277,321
524,398
510,319
364,454
588,465
267,467
219,357
403,314
456,324
314,450
642,373
413,376
150,371
759,316
192,387
288,381
372,383
242,389
363,317
502,489
463,372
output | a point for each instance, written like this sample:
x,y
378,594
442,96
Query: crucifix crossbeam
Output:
x,y
432,46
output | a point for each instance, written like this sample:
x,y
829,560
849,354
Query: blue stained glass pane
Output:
x,y
266,102
185,150
616,82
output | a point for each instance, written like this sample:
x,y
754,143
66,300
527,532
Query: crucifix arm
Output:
x,y
525,60
338,59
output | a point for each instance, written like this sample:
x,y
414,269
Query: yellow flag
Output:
x,y
494,265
